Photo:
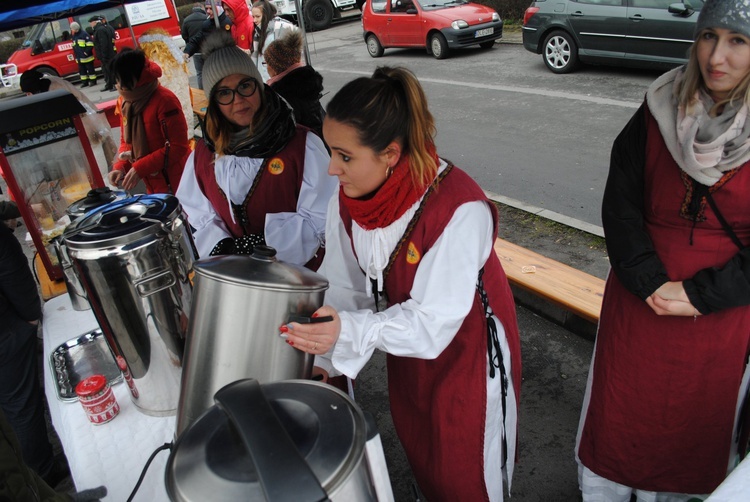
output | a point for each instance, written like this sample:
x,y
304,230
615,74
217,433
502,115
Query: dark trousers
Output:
x,y
198,63
86,71
20,394
109,78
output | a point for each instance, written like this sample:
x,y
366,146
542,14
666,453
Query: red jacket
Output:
x,y
242,25
162,114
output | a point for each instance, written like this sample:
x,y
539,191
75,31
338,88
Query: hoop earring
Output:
x,y
388,171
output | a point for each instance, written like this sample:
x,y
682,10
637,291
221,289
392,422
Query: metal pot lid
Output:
x,y
261,270
211,461
95,198
121,222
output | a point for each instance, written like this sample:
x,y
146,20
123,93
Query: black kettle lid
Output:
x,y
95,198
294,440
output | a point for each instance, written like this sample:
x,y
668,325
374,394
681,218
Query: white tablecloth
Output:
x,y
736,487
111,454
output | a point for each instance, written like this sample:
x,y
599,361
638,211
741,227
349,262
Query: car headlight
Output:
x,y
457,25
495,16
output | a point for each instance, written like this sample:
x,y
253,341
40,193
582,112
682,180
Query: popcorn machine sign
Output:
x,y
37,135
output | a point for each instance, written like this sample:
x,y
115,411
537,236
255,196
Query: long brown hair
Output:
x,y
268,13
390,106
693,82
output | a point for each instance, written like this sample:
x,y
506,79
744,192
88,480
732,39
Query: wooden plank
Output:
x,y
563,285
199,102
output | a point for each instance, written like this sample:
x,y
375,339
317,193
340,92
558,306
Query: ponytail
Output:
x,y
390,106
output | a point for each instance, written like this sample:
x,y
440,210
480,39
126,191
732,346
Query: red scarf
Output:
x,y
392,199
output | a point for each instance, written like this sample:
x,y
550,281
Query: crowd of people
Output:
x,y
405,238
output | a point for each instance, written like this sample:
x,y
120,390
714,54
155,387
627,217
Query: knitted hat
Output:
x,y
731,15
284,52
221,58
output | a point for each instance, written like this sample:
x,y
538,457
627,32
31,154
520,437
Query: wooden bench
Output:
x,y
570,289
199,102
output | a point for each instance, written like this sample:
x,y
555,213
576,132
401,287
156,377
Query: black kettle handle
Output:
x,y
284,475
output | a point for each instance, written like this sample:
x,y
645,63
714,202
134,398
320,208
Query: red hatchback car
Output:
x,y
438,25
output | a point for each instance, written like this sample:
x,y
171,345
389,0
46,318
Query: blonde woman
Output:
x,y
663,413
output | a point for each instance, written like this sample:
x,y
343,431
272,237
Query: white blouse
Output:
x,y
296,236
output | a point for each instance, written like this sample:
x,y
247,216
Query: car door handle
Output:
x,y
637,17
577,13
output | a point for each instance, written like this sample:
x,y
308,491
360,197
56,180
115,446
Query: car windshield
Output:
x,y
441,4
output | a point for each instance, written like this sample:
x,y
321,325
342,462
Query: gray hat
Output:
x,y
221,58
731,15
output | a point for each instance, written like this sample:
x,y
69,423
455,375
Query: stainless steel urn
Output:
x,y
239,303
296,440
134,258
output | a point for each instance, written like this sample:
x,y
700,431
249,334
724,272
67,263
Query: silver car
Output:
x,y
638,33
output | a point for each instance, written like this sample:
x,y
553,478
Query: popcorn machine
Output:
x,y
48,163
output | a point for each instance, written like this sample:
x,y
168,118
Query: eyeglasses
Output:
x,y
247,87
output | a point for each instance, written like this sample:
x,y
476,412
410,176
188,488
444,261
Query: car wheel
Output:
x,y
560,52
318,14
438,46
373,46
47,70
487,45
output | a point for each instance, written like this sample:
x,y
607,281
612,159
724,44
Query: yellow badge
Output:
x,y
242,37
412,254
276,166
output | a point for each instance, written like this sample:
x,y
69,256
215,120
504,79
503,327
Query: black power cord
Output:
x,y
165,446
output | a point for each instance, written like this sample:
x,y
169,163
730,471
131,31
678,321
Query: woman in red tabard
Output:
x,y
662,414
412,271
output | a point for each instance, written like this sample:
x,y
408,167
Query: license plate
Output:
x,y
483,33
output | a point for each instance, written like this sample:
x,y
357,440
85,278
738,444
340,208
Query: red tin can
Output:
x,y
98,400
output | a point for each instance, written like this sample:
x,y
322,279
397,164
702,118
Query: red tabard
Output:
x,y
665,389
277,190
439,405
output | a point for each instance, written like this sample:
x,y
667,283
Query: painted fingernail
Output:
x,y
282,335
314,314
284,329
290,343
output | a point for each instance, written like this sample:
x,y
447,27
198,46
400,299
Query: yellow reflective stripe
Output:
x,y
86,60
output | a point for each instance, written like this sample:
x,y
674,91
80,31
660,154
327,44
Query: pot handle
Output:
x,y
284,475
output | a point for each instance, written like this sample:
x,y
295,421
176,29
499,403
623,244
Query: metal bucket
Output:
x,y
133,258
239,303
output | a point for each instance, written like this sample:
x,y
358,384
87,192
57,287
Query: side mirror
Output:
x,y
680,9
411,10
37,48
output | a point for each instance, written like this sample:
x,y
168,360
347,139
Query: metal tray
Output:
x,y
78,359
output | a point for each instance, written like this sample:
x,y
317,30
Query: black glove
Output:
x,y
240,245
90,495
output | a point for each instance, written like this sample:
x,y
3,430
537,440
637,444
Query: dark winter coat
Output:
x,y
104,44
83,47
302,89
194,44
193,23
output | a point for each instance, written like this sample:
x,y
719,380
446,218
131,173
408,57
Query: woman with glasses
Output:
x,y
256,177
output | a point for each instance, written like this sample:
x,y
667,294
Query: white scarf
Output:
x,y
704,147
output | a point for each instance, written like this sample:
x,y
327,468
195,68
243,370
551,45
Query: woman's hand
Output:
x,y
671,299
130,180
115,177
314,338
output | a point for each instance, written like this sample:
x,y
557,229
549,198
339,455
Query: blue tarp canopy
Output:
x,y
18,13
